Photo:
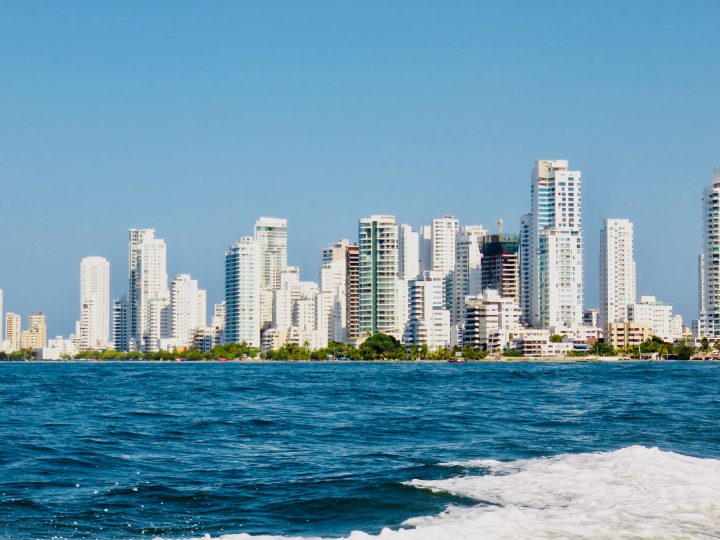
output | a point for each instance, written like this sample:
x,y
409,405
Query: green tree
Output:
x,y
602,349
382,346
556,339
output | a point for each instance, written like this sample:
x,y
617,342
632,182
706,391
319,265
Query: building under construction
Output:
x,y
500,268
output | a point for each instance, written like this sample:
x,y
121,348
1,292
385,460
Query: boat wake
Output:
x,y
634,492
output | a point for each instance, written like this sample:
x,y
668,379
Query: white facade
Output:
x,y
492,321
333,290
188,309
148,290
425,248
710,275
467,276
428,320
298,313
271,237
409,245
658,315
617,271
242,292
444,233
556,243
94,328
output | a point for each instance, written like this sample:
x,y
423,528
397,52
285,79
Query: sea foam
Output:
x,y
634,492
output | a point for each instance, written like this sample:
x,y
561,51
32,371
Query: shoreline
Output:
x,y
509,360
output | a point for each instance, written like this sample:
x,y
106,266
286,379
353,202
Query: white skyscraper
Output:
x,y
271,236
428,320
467,275
444,232
242,292
425,248
409,245
148,294
333,290
94,328
710,273
188,309
556,243
617,271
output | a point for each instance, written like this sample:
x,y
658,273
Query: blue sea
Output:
x,y
388,450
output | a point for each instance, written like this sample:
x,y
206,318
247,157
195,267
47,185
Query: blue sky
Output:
x,y
197,117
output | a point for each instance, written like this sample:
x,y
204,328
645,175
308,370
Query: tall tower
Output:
x,y
617,271
2,320
94,303
710,274
352,306
148,295
188,308
13,330
242,292
556,244
271,237
333,291
377,276
444,232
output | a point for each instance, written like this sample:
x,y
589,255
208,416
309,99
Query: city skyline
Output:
x,y
591,265
357,111
419,287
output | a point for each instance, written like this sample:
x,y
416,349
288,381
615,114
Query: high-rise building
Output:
x,y
556,241
352,305
444,233
378,276
710,274
525,263
500,265
297,313
333,290
242,292
13,331
409,245
428,320
271,237
120,324
2,319
218,322
94,327
617,271
148,294
425,248
466,277
35,337
188,309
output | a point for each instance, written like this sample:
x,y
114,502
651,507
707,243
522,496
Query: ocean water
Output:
x,y
410,451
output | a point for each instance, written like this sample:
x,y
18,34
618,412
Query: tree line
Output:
x,y
377,347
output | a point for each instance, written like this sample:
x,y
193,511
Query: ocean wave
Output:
x,y
635,492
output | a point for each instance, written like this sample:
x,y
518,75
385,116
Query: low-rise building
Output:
x,y
628,334
491,320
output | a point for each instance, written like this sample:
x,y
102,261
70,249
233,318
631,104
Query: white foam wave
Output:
x,y
635,492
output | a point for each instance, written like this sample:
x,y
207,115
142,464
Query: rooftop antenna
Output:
x,y
500,223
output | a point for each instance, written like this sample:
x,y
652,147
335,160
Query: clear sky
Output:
x,y
197,117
